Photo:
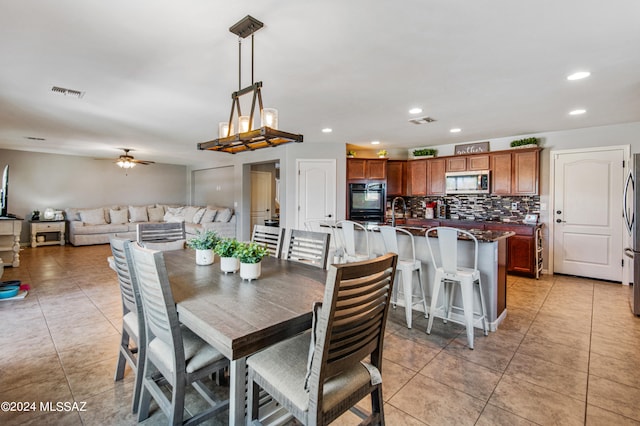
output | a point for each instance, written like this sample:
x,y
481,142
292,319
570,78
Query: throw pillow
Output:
x,y
189,213
209,215
174,214
117,217
138,214
156,214
198,216
223,215
93,217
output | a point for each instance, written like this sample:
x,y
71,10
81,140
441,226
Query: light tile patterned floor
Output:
x,y
568,353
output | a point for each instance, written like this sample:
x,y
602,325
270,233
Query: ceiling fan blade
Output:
x,y
144,162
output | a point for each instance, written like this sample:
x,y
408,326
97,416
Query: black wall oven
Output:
x,y
367,202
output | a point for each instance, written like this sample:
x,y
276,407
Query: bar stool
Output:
x,y
449,273
347,241
406,266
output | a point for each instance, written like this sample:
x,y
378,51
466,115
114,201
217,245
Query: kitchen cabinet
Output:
x,y
435,176
525,171
396,178
417,177
523,253
515,172
462,163
358,169
501,173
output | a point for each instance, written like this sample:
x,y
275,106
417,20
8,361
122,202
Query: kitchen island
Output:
x,y
492,261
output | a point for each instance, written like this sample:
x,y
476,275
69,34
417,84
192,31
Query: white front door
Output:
x,y
260,197
316,195
587,213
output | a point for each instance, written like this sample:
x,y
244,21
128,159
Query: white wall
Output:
x,y
38,181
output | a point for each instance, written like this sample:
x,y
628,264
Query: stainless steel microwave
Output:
x,y
476,182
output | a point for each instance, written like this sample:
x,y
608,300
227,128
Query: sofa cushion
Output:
x,y
156,214
93,216
223,215
118,217
138,214
209,215
100,229
190,213
174,214
198,216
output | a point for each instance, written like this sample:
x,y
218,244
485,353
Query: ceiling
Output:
x,y
157,75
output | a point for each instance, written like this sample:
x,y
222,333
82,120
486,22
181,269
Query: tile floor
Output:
x,y
568,353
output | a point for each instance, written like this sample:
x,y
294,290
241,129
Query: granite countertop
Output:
x,y
482,235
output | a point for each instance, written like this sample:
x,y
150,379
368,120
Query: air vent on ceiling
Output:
x,y
33,138
422,120
68,92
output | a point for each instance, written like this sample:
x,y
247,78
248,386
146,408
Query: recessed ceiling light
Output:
x,y
578,75
327,130
415,110
455,130
577,111
375,142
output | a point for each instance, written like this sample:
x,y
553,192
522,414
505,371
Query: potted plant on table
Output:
x,y
203,243
250,255
226,249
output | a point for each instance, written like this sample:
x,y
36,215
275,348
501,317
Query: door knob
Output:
x,y
329,215
559,211
559,220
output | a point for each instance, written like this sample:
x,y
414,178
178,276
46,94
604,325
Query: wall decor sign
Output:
x,y
472,148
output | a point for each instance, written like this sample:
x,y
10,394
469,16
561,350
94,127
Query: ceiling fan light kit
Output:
x,y
248,138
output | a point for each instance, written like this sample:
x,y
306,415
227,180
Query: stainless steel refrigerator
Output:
x,y
631,209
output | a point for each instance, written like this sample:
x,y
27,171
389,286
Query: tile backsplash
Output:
x,y
472,207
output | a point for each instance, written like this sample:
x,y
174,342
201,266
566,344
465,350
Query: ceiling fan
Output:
x,y
127,161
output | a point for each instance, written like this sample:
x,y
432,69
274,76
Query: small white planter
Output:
x,y
229,264
531,145
250,271
204,257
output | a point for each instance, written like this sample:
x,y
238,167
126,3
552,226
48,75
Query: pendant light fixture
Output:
x,y
248,138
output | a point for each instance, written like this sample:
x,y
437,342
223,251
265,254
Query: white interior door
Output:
x,y
587,203
316,191
260,197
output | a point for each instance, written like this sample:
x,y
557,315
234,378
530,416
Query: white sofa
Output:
x,y
87,226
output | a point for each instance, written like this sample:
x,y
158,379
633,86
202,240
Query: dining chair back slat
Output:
x,y
270,236
161,236
309,247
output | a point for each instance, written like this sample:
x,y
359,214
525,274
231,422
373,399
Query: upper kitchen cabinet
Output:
x,y
436,183
364,169
526,171
426,177
396,178
501,173
515,172
463,163
417,177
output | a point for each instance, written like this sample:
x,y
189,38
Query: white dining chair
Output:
x,y
407,265
346,240
450,273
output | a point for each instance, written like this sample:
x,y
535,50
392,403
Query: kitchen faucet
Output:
x,y
393,209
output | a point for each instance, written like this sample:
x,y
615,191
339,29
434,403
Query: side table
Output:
x,y
44,229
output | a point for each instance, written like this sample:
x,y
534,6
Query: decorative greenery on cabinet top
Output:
x,y
525,141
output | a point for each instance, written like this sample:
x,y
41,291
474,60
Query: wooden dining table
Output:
x,y
240,317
